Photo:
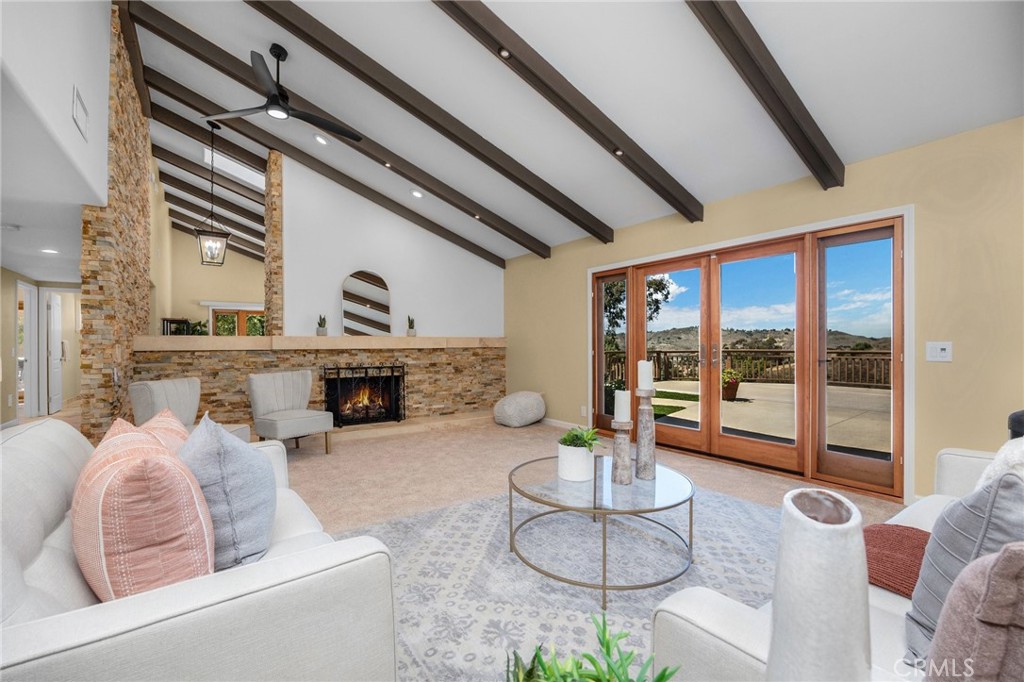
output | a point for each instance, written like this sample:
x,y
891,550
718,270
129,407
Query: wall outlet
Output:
x,y
583,410
938,351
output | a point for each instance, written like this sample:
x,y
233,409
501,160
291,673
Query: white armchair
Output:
x,y
280,407
180,396
715,638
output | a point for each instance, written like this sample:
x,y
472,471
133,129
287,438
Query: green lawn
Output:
x,y
676,395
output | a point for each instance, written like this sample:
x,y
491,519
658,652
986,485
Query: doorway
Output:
x,y
27,352
786,354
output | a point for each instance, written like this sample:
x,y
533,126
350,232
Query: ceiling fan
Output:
x,y
277,105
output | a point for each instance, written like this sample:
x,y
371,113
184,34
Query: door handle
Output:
x,y
702,355
714,355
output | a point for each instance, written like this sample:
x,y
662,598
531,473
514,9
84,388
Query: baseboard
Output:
x,y
7,425
559,423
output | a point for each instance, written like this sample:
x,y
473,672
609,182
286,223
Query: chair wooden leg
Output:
x,y
296,442
327,442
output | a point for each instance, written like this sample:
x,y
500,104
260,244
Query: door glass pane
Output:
x,y
611,350
757,358
225,324
858,317
673,346
255,325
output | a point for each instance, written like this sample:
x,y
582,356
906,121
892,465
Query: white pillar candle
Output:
x,y
645,374
622,406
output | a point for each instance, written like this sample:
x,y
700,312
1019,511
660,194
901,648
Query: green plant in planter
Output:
x,y
579,437
612,666
412,321
730,376
322,322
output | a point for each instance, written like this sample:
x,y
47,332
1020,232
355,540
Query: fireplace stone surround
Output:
x,y
444,375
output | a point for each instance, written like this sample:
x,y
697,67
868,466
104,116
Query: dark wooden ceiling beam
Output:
x,y
204,195
509,47
370,278
740,42
202,171
304,26
366,322
365,302
223,61
204,212
231,247
131,44
349,331
201,134
204,106
192,222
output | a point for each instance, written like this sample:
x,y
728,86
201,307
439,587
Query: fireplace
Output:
x,y
365,394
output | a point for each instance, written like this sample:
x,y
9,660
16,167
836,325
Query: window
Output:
x,y
239,322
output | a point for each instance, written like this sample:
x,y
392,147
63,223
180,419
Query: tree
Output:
x,y
658,293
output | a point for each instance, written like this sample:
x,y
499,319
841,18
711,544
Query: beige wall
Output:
x,y
968,198
239,280
160,253
8,341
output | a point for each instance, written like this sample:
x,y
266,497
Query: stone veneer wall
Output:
x,y
115,254
438,381
273,264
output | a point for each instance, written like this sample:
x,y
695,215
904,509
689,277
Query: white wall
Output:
x,y
331,232
49,48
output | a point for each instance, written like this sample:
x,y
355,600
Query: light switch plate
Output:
x,y
938,351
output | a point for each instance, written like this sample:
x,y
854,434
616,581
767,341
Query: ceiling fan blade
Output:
x,y
234,114
262,73
324,124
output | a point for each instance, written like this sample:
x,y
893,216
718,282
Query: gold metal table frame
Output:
x,y
669,490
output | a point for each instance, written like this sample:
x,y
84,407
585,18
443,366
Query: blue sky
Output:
x,y
761,293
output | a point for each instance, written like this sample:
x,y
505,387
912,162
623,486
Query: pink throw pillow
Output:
x,y
168,429
138,517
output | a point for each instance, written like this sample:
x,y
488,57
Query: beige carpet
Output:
x,y
375,479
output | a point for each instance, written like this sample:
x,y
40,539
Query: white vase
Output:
x,y
820,604
575,464
321,331
410,332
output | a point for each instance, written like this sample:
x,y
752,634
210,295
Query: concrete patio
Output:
x,y
856,417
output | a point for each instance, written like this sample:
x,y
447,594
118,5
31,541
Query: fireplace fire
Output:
x,y
365,394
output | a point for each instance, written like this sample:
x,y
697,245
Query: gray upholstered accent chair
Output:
x,y
280,407
181,396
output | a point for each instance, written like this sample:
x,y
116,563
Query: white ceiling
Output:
x,y
877,77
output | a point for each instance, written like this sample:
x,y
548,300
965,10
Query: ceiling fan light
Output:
x,y
275,110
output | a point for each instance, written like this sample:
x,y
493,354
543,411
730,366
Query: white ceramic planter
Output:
x,y
575,464
321,331
820,602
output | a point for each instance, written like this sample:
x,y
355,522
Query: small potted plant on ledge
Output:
x,y
321,326
730,384
411,329
576,454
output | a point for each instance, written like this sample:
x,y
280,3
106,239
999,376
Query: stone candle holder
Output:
x,y
645,435
622,464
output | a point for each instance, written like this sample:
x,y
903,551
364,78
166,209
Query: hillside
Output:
x,y
685,338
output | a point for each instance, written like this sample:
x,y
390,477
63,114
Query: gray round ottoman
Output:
x,y
519,409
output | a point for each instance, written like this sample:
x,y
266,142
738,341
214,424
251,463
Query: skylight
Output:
x,y
236,170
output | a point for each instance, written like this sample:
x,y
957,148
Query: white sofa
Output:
x,y
312,608
712,637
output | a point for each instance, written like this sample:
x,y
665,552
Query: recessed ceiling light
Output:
x,y
618,152
320,138
387,165
416,193
477,217
504,54
49,251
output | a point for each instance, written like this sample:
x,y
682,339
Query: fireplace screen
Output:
x,y
365,394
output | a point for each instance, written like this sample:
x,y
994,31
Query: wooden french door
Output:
x,y
812,398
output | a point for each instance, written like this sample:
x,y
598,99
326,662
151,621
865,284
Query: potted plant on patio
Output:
x,y
321,326
576,454
730,384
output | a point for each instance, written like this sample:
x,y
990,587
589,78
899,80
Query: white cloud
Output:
x,y
672,318
673,288
777,316
865,296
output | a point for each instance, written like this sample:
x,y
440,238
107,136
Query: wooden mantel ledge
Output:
x,y
244,343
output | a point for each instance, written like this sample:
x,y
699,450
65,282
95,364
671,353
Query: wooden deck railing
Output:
x,y
865,368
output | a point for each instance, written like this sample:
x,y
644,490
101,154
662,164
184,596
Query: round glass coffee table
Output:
x,y
537,481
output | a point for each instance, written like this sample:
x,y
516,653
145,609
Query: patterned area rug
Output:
x,y
464,600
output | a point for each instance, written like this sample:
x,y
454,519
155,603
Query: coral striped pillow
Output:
x,y
138,517
168,429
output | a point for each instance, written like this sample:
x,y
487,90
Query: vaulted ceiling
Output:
x,y
525,125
